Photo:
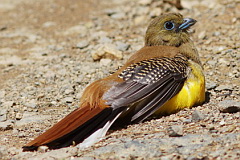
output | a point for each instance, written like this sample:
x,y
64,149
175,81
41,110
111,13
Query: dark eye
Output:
x,y
169,25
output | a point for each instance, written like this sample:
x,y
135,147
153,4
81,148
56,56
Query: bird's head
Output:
x,y
169,29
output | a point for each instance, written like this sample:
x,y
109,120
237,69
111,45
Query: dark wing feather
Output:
x,y
132,95
156,102
150,84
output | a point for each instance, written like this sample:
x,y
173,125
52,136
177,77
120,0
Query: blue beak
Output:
x,y
187,23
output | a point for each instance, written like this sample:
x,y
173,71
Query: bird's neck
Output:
x,y
187,48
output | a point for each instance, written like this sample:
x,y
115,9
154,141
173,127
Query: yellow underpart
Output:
x,y
192,93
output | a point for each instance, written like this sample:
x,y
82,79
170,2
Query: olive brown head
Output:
x,y
169,29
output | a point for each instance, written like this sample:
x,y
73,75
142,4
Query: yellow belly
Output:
x,y
192,93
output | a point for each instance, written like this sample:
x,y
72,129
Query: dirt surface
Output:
x,y
47,59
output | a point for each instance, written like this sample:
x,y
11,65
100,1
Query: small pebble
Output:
x,y
223,87
211,85
217,33
212,62
48,24
3,117
197,116
68,91
139,20
42,149
229,106
82,44
110,12
19,116
119,15
175,131
202,35
145,2
122,46
107,51
4,126
31,104
7,104
105,62
68,99
213,130
105,40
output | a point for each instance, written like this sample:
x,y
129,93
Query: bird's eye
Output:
x,y
169,25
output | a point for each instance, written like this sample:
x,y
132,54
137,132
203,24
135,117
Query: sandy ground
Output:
x,y
46,61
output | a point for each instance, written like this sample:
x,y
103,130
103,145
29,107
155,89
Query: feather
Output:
x,y
74,128
148,84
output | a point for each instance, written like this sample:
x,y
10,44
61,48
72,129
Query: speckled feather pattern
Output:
x,y
151,70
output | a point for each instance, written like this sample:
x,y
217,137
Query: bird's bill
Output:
x,y
187,23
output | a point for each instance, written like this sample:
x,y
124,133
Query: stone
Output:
x,y
63,153
211,85
119,15
68,100
108,51
48,24
78,29
68,91
42,149
2,28
229,106
84,158
221,48
187,120
31,104
2,93
223,87
19,116
21,134
202,35
217,33
175,131
3,151
105,40
145,2
3,117
223,61
7,104
197,116
3,111
110,12
213,130
105,62
4,126
122,46
29,117
82,44
212,62
97,35
155,12
7,50
139,20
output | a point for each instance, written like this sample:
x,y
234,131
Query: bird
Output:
x,y
163,77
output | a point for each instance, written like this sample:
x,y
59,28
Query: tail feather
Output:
x,y
100,131
75,128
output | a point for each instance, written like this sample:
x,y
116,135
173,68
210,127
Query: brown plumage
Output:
x,y
155,80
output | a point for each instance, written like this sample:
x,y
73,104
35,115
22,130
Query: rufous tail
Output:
x,y
85,125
